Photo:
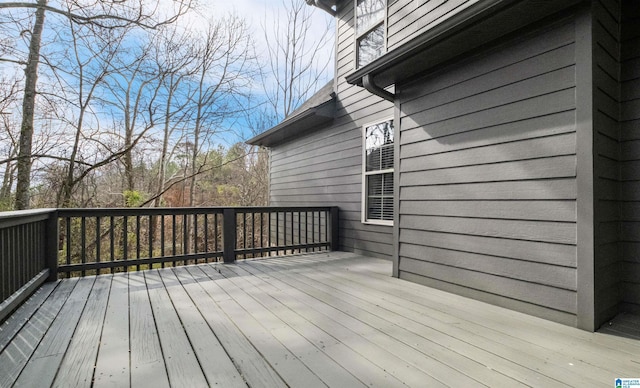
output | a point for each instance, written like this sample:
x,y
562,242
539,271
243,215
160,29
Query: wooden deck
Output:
x,y
329,319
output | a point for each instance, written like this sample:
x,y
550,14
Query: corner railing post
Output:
x,y
229,235
51,246
335,229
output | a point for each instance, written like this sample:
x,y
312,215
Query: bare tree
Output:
x,y
296,61
9,89
28,109
224,63
89,63
134,88
173,58
98,13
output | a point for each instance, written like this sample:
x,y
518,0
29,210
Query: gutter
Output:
x,y
440,32
369,84
322,5
473,27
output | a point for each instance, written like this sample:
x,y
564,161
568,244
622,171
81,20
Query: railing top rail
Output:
x,y
79,212
241,209
134,211
21,217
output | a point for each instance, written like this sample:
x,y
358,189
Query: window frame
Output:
x,y
363,34
366,174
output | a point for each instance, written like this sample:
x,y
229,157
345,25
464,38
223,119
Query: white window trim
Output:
x,y
384,22
365,173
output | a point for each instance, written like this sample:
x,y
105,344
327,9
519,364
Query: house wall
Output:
x,y
487,176
605,25
409,18
630,155
325,167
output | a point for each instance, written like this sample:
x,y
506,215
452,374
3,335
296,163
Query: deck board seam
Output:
x,y
398,357
327,280
517,316
356,351
257,298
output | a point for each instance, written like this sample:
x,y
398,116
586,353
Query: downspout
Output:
x,y
322,5
370,85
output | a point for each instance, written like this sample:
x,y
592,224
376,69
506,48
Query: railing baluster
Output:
x,y
277,232
125,247
137,241
244,233
150,232
162,237
173,233
195,234
262,233
253,232
83,241
185,235
306,231
111,240
326,227
269,232
68,232
299,231
206,236
313,230
215,232
5,244
98,242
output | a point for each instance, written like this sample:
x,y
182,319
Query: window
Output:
x,y
378,173
370,16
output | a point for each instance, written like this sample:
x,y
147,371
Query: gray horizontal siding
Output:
x,y
487,176
629,246
409,18
325,166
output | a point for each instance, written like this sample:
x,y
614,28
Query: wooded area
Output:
x,y
107,104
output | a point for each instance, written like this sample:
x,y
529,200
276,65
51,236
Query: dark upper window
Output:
x,y
370,15
378,172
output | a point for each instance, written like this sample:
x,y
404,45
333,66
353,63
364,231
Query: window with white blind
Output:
x,y
370,15
378,173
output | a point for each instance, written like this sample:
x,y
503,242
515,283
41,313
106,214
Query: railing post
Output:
x,y
229,235
335,228
51,246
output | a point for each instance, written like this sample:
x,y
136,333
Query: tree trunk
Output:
x,y
165,144
28,108
7,183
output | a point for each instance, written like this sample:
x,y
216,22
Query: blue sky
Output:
x,y
265,12
256,12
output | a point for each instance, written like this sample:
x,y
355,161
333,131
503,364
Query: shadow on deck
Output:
x,y
326,319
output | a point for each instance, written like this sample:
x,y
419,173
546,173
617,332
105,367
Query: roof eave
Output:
x,y
472,27
303,122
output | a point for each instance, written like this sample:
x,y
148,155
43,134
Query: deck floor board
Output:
x,y
599,351
21,316
183,367
146,359
112,364
249,362
386,335
472,341
216,364
319,319
43,364
77,368
21,348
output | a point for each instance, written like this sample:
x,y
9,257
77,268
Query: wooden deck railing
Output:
x,y
45,244
26,240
